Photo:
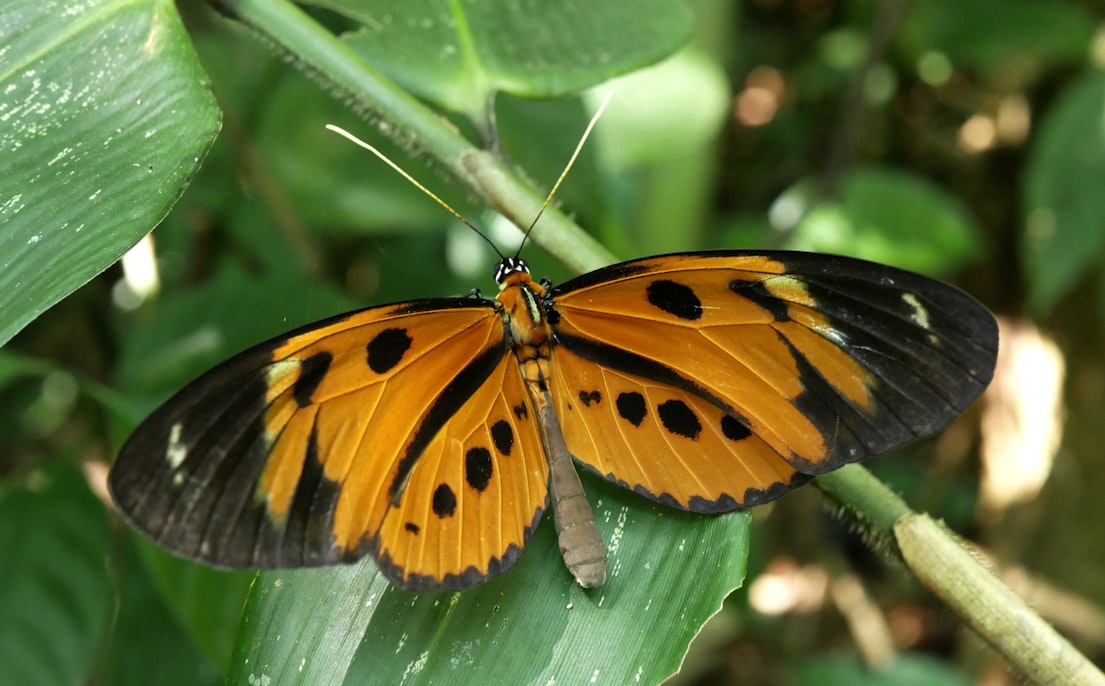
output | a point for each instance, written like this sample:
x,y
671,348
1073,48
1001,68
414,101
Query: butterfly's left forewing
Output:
x,y
721,380
302,451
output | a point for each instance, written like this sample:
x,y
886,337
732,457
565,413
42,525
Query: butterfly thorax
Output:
x,y
521,305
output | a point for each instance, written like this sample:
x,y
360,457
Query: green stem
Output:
x,y
947,568
865,497
951,571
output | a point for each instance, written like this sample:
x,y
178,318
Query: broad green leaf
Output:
x,y
105,115
206,602
148,645
1064,202
457,53
668,572
55,595
886,216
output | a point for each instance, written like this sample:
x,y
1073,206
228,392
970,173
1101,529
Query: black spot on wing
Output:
x,y
675,298
311,373
503,437
413,528
631,407
590,397
387,348
520,411
734,429
679,419
444,501
477,470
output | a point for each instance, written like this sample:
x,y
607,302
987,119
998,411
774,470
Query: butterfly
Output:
x,y
433,434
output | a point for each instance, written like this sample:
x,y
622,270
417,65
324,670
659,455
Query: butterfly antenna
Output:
x,y
567,168
369,147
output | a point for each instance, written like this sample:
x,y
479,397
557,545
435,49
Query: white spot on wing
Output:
x,y
920,315
176,451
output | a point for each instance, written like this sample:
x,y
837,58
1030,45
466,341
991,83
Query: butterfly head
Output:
x,y
508,266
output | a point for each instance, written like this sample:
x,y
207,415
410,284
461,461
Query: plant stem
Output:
x,y
403,117
947,568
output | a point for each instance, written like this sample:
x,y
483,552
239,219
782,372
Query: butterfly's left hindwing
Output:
x,y
330,442
720,380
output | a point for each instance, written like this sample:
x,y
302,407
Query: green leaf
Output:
x,y
207,602
148,645
668,572
106,115
55,599
457,53
1064,206
884,215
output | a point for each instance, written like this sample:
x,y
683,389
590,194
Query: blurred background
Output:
x,y
964,139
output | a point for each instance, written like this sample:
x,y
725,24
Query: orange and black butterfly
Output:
x,y
433,434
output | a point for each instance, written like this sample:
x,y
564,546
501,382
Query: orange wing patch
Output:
x,y
666,444
823,360
401,355
479,489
